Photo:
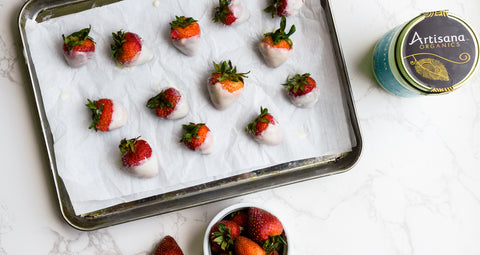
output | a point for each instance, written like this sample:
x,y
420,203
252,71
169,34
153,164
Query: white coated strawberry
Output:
x,y
225,85
138,158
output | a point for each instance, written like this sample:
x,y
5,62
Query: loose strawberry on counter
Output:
x,y
138,157
168,246
225,85
231,12
302,90
265,129
198,137
128,49
276,46
185,34
107,114
169,104
284,7
78,47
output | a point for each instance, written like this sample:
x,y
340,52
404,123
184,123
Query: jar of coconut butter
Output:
x,y
434,53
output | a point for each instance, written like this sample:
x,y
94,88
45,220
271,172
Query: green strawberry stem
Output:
x,y
128,145
227,71
182,22
222,11
274,243
191,131
297,82
251,127
77,38
118,41
280,34
223,237
272,8
159,101
96,112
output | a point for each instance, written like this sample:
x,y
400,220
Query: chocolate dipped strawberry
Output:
x,y
231,12
225,85
107,114
265,128
185,34
78,47
198,137
169,104
276,46
128,49
138,157
284,7
302,90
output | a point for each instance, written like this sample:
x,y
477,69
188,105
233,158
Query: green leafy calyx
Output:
x,y
96,113
222,237
273,243
128,145
228,72
222,11
118,41
182,22
159,101
77,38
191,132
297,82
280,34
252,126
272,8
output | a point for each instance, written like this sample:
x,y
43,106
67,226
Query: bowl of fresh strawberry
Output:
x,y
245,229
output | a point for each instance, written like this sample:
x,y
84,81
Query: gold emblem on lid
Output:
x,y
436,14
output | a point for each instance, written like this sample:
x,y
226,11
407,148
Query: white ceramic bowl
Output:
x,y
236,207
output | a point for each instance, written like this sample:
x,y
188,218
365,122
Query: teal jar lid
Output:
x,y
436,52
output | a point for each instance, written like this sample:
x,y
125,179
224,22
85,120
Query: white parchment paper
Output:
x,y
89,161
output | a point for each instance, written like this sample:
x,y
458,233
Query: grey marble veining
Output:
x,y
97,242
8,60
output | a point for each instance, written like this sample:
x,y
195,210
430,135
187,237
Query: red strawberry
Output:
x,y
284,7
262,225
302,90
265,129
78,47
276,46
128,49
222,235
138,157
107,114
185,34
168,246
231,12
198,137
225,85
241,218
169,104
245,246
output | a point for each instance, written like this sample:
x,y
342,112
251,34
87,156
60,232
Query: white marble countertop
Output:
x,y
415,190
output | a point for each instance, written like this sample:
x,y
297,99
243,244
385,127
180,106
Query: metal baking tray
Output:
x,y
256,180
